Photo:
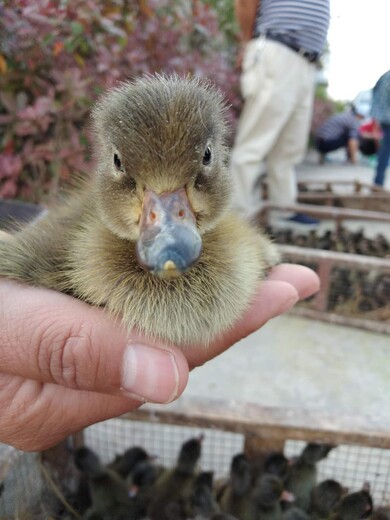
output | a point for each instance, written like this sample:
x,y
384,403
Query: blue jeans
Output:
x,y
383,156
330,145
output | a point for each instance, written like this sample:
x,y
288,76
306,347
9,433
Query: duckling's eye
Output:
x,y
118,163
207,156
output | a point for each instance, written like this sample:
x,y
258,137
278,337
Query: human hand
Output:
x,y
285,285
65,365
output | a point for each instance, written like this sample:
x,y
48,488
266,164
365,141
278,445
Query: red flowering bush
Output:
x,y
57,56
322,110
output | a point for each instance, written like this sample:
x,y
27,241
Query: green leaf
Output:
x,y
76,28
72,44
48,39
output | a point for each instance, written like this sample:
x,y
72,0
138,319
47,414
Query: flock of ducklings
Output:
x,y
341,240
135,486
350,290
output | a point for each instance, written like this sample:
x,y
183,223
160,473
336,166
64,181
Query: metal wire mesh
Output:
x,y
25,492
114,436
353,466
351,285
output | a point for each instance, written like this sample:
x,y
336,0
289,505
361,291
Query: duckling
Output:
x,y
151,235
295,513
276,463
141,485
173,488
235,498
324,498
354,506
303,473
124,464
223,516
203,504
109,493
267,496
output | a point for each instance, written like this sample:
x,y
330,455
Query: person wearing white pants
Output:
x,y
277,83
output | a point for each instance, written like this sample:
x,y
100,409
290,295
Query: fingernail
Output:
x,y
150,373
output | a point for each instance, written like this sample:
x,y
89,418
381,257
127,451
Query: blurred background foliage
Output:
x,y
57,56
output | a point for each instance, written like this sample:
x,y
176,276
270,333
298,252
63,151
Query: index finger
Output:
x,y
285,285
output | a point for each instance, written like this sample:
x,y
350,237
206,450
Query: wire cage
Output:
x,y
354,269
352,194
355,290
345,194
31,489
352,465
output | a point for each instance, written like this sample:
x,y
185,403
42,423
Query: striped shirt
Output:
x,y
305,22
381,99
339,125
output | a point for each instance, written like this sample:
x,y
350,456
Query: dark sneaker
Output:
x,y
301,218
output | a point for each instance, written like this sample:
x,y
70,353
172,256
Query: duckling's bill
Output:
x,y
169,242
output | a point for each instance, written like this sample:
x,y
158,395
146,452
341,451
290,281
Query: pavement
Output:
x,y
295,362
337,169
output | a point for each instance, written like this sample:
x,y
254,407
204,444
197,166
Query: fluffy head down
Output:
x,y
162,134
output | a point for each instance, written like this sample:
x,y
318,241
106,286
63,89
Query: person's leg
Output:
x,y
290,147
331,145
367,146
324,146
266,110
383,156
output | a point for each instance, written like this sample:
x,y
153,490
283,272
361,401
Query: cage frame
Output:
x,y
267,428
326,260
264,428
338,215
362,195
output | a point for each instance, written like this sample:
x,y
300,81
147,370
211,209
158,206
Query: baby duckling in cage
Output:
x,y
202,502
126,463
109,493
276,463
354,505
173,489
223,516
150,235
324,498
295,513
267,498
235,498
302,477
141,485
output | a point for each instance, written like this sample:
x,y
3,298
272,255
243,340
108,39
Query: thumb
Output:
x,y
53,338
